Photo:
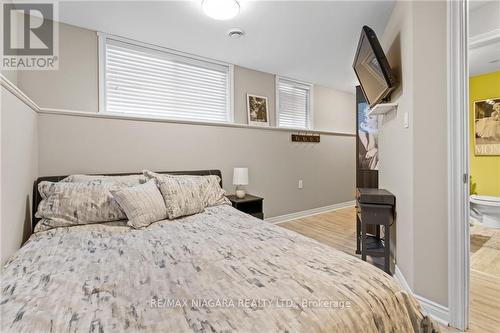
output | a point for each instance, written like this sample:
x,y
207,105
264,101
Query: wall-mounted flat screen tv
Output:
x,y
372,68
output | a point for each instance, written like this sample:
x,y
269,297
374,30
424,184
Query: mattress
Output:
x,y
217,271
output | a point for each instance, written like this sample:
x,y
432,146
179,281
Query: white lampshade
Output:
x,y
240,176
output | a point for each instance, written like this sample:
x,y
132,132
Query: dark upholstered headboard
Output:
x,y
37,198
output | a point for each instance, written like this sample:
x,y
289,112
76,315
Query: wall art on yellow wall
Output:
x,y
487,126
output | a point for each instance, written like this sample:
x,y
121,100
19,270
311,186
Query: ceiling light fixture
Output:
x,y
220,9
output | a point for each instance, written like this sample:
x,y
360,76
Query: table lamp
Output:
x,y
240,178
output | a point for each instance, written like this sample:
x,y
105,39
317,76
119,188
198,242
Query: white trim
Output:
x,y
231,93
398,275
7,84
161,48
310,111
287,78
458,179
437,312
120,116
311,106
309,212
101,49
166,52
487,38
276,102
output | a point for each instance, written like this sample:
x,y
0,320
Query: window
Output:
x,y
149,81
293,104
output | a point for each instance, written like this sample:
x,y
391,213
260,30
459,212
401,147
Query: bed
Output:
x,y
216,271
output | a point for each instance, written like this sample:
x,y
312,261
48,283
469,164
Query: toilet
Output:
x,y
486,210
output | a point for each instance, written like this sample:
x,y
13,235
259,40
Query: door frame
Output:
x,y
458,164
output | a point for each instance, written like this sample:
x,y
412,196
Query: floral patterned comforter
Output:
x,y
217,271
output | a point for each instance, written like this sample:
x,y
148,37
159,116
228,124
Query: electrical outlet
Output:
x,y
301,184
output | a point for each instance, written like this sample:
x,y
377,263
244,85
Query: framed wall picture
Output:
x,y
367,138
487,127
257,110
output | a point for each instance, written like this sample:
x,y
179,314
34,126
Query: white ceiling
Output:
x,y
314,41
484,37
474,4
485,59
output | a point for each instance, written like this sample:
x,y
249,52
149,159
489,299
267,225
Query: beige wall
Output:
x,y
395,141
16,32
10,75
333,110
73,144
249,81
430,151
75,85
19,169
413,160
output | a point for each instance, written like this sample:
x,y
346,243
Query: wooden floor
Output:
x,y
338,229
485,279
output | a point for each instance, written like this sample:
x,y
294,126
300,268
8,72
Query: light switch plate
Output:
x,y
406,123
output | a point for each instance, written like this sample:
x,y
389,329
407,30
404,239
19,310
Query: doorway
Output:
x,y
463,282
484,165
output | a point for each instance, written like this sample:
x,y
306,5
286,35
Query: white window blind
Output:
x,y
144,81
294,104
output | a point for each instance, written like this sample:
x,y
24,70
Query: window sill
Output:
x,y
119,116
30,103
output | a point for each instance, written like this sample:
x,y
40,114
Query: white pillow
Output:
x,y
143,204
182,195
69,204
209,186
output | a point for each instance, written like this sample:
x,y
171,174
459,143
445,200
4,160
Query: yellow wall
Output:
x,y
485,170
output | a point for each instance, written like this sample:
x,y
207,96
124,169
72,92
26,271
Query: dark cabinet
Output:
x,y
375,208
250,204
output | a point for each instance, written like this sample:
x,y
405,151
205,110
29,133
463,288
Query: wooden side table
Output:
x,y
375,207
250,204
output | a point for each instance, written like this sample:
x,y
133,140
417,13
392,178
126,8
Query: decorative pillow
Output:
x,y
68,204
182,195
143,204
129,180
210,191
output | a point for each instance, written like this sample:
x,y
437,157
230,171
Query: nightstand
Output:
x,y
250,204
375,207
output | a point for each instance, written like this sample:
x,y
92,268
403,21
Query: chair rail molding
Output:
x,y
14,89
458,178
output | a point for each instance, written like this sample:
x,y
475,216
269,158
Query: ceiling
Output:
x,y
485,59
484,37
313,41
474,4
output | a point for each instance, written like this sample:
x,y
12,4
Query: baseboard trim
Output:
x,y
398,275
309,212
437,312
